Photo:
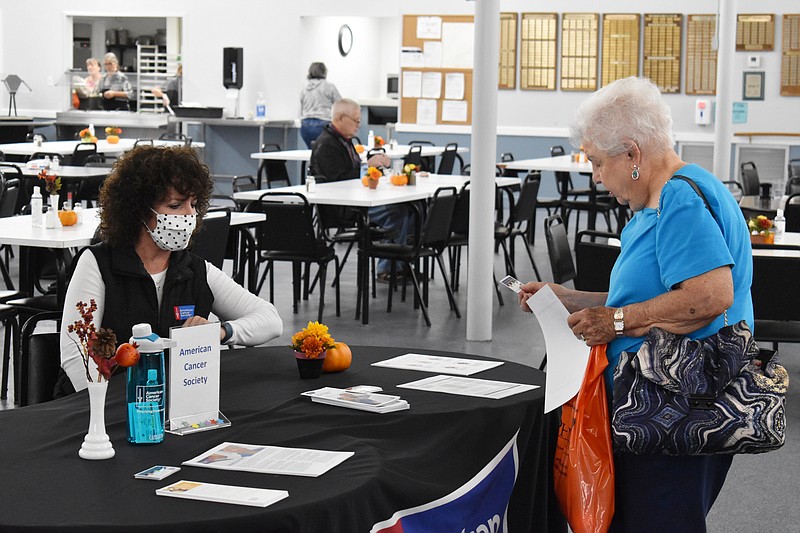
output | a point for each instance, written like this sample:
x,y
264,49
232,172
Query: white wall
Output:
x,y
280,39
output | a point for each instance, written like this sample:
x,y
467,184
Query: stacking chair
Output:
x,y
522,214
594,259
8,317
374,151
242,184
414,156
272,170
41,155
81,152
792,185
39,361
211,239
776,291
791,210
428,162
507,157
288,234
145,141
750,182
589,200
172,136
448,159
429,242
561,262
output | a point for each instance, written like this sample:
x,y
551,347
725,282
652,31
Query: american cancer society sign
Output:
x,y
194,376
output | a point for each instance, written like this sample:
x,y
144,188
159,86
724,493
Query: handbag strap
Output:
x,y
702,196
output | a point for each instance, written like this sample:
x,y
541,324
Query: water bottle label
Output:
x,y
261,111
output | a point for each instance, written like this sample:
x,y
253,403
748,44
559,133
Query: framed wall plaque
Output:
x,y
579,44
507,75
790,56
755,32
620,57
662,50
753,86
538,51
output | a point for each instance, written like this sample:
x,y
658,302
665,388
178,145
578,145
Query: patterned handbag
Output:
x,y
720,394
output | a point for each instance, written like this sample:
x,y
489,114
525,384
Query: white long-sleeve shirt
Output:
x,y
253,321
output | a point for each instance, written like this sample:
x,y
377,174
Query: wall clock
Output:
x,y
345,40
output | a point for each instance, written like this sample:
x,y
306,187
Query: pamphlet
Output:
x,y
211,492
481,388
269,459
157,472
438,364
363,401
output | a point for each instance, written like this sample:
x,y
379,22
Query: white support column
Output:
x,y
484,149
726,85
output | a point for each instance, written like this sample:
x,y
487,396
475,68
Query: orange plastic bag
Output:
x,y
584,466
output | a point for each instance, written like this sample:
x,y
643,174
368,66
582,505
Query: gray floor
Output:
x,y
759,494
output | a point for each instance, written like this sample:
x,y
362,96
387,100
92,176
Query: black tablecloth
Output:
x,y
401,460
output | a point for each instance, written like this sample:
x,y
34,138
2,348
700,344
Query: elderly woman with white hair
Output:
x,y
681,268
115,87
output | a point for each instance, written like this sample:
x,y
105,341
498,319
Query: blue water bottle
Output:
x,y
146,389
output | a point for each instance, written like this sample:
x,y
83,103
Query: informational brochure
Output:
x,y
363,401
269,459
211,492
480,388
438,364
157,473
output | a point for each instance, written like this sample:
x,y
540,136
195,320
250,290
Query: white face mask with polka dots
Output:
x,y
172,232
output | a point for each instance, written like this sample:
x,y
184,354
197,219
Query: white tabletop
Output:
x,y
67,147
66,171
353,193
557,163
399,152
19,231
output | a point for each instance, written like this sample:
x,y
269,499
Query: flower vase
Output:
x,y
373,184
96,444
762,238
309,368
54,201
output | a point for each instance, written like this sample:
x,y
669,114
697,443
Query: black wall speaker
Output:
x,y
232,67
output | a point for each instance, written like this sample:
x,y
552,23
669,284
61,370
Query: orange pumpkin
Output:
x,y
68,217
337,358
359,148
365,181
399,179
112,139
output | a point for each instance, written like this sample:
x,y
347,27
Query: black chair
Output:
x,y
791,210
507,157
589,200
448,159
374,151
521,215
775,292
145,142
81,152
594,259
39,361
750,182
243,184
414,156
187,141
42,155
430,240
561,262
428,162
210,241
792,186
8,317
2,156
272,170
9,199
794,168
288,234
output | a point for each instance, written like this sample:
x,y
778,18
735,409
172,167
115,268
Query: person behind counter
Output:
x,y
152,203
171,94
88,88
316,100
682,267
115,87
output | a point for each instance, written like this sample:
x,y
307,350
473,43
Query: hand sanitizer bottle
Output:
x,y
146,390
780,226
371,140
36,208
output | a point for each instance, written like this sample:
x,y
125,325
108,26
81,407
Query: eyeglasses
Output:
x,y
357,121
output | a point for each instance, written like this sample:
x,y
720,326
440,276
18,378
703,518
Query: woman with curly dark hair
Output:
x,y
151,205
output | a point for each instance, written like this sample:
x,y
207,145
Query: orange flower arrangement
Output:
x,y
86,136
379,141
113,130
312,340
370,179
52,183
759,224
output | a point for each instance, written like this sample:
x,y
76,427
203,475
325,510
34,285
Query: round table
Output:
x,y
402,460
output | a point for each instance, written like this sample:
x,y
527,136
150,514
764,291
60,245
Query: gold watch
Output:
x,y
619,322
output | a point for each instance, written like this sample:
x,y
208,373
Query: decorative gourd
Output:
x,y
112,139
399,179
337,358
68,217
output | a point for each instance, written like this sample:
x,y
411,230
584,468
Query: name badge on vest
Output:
x,y
182,312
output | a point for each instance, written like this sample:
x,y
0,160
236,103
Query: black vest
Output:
x,y
131,295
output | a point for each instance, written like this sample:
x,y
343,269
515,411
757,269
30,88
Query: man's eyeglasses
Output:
x,y
357,121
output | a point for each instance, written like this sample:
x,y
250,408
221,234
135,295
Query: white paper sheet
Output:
x,y
566,356
212,492
426,111
269,459
431,84
411,58
458,40
412,84
432,51
454,111
438,364
454,86
481,388
429,27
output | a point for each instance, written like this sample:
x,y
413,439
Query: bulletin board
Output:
x,y
451,36
790,56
